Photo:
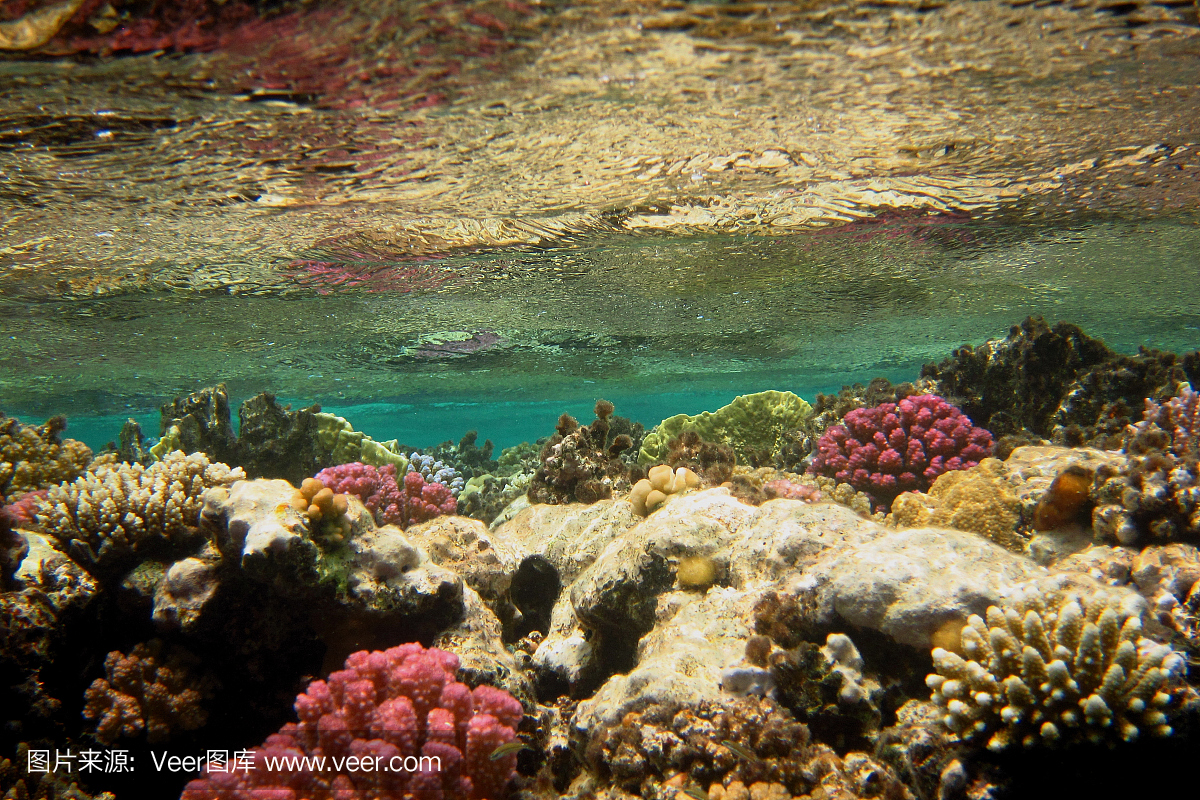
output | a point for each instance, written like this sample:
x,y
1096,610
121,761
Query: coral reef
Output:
x,y
578,463
435,471
147,690
34,457
1054,382
1156,497
894,448
980,499
652,491
712,462
727,750
405,503
1079,670
107,516
325,510
401,706
754,425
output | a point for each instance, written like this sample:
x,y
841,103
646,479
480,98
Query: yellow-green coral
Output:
x,y
979,500
1080,670
33,457
347,445
110,512
751,424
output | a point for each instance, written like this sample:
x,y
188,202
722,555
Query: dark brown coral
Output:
x,y
33,457
146,690
713,462
578,464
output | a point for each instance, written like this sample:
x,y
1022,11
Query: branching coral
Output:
x,y
33,457
979,499
146,690
102,518
1031,675
398,705
578,464
897,447
1157,496
405,503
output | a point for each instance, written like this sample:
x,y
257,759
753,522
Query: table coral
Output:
x,y
104,517
579,463
897,447
1157,495
1081,670
33,457
146,690
397,705
754,425
979,499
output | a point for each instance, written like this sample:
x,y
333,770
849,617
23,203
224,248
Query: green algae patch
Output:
x,y
752,423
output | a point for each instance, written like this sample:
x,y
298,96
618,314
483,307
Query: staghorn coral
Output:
x,y
754,425
147,690
980,500
897,447
106,516
33,457
396,705
653,491
1156,497
578,464
1079,670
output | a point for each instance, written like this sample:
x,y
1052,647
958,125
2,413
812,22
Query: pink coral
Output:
x,y
896,448
379,491
393,723
792,490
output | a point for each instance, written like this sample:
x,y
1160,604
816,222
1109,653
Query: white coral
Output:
x,y
1082,670
107,513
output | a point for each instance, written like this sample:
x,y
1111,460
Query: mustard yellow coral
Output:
x,y
32,457
979,500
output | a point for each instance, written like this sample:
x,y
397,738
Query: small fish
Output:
x,y
740,750
696,792
508,749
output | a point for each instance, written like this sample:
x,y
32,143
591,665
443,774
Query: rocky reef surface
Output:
x,y
875,594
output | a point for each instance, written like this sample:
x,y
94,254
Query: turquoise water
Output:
x,y
657,325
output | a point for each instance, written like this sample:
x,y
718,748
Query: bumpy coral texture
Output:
x,y
145,691
1157,497
721,749
436,471
406,503
33,457
894,448
1034,675
105,516
394,704
979,500
579,463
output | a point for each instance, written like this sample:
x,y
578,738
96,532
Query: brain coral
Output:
x,y
754,425
398,706
897,447
1077,671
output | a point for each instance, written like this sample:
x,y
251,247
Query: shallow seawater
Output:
x,y
657,324
429,217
